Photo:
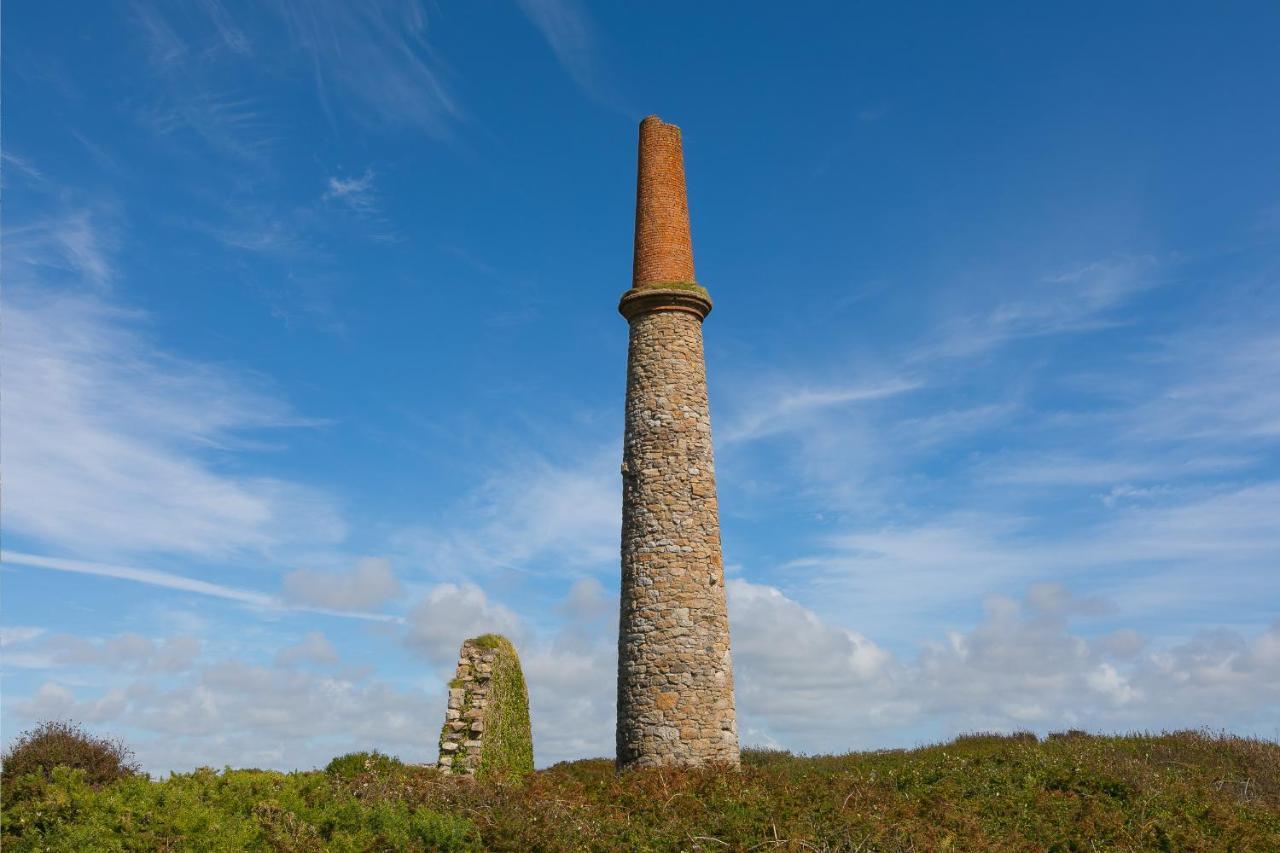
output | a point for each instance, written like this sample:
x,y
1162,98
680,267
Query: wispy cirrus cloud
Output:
x,y
183,583
190,91
232,36
1147,553
530,512
373,60
108,439
1082,299
788,409
76,245
573,38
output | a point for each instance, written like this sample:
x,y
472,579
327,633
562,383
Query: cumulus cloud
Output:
x,y
356,193
450,613
802,682
810,685
16,635
314,648
232,711
284,715
124,651
365,587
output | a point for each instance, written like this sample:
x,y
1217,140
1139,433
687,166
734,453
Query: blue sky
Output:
x,y
312,366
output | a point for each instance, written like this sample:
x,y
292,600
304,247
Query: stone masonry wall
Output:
x,y
675,677
486,725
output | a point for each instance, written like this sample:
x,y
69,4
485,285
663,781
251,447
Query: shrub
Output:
x,y
353,764
764,756
64,744
228,811
1180,791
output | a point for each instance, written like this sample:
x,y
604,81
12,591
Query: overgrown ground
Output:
x,y
1184,791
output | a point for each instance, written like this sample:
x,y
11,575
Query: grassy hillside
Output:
x,y
1184,791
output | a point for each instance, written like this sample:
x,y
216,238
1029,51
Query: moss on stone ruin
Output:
x,y
676,285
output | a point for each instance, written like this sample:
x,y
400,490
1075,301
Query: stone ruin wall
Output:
x,y
486,725
462,737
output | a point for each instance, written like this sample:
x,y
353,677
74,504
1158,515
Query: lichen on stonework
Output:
x,y
677,285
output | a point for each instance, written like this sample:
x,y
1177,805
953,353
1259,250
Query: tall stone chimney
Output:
x,y
675,677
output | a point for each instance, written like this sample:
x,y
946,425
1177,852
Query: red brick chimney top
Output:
x,y
664,249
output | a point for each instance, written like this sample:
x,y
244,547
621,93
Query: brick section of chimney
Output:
x,y
663,249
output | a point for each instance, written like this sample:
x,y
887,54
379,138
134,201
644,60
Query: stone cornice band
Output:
x,y
643,300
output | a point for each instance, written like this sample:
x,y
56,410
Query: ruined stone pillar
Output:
x,y
675,677
486,731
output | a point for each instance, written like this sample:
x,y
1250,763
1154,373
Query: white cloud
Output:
x,y
356,193
286,716
1224,387
1083,299
75,245
123,652
232,37
15,635
151,577
251,716
569,31
181,583
314,648
531,510
109,441
810,685
1053,470
450,613
789,409
376,57
10,162
802,682
365,587
1149,555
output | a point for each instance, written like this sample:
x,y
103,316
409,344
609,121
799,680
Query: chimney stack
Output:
x,y
675,672
663,249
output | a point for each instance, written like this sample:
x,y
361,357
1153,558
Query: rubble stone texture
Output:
x,y
675,676
486,726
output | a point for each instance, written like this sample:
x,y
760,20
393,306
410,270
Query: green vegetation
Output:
x,y
508,738
1183,791
228,811
492,641
65,744
353,764
677,285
